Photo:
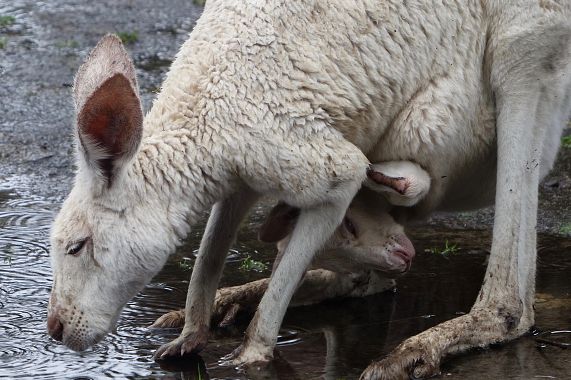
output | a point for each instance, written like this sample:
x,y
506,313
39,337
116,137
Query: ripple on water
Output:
x,y
288,337
559,338
25,282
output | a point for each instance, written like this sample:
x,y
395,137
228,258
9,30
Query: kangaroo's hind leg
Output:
x,y
532,87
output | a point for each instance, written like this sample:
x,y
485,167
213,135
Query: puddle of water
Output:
x,y
336,339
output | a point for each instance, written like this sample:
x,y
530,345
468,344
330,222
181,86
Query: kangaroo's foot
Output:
x,y
419,357
187,343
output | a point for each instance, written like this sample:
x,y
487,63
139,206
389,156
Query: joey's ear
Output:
x,y
109,113
404,183
279,223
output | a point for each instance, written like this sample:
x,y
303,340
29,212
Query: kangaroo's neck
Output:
x,y
183,176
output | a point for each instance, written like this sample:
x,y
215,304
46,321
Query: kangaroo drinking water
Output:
x,y
293,100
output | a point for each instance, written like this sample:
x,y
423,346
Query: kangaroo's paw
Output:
x,y
185,344
248,354
419,356
413,359
172,319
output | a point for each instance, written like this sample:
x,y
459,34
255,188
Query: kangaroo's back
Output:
x,y
353,65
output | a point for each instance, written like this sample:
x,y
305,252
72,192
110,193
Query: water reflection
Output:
x,y
333,340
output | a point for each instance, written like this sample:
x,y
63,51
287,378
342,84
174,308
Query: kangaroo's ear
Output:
x,y
404,183
109,113
279,223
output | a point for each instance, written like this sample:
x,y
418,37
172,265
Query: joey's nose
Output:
x,y
405,255
55,328
404,249
406,246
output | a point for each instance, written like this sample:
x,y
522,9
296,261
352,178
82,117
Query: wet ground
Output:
x,y
41,46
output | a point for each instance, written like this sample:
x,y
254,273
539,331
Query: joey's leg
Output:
x,y
227,303
219,235
317,286
504,307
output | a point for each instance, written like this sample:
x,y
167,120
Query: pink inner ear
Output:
x,y
398,184
279,223
112,119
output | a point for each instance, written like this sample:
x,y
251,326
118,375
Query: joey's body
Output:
x,y
292,99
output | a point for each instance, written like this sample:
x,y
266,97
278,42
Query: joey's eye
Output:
x,y
349,226
74,248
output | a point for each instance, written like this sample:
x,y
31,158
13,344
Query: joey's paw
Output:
x,y
186,344
172,319
225,316
402,364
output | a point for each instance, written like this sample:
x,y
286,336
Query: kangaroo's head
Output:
x,y
110,237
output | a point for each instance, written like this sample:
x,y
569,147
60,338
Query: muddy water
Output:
x,y
334,340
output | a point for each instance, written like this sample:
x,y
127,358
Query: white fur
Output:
x,y
285,98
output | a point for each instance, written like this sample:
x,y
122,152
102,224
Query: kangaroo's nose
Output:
x,y
55,328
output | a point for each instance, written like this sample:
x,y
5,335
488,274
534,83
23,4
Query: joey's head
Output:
x,y
367,239
108,240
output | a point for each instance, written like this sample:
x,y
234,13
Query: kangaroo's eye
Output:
x,y
74,248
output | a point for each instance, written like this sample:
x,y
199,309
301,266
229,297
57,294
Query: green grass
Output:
x,y
128,38
565,229
566,141
185,264
448,249
251,265
199,2
6,21
3,42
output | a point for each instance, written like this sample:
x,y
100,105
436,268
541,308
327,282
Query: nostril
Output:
x,y
55,328
408,255
406,245
405,256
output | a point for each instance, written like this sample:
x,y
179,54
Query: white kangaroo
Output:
x,y
286,98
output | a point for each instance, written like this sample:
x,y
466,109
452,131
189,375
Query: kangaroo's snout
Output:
x,y
55,327
404,250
